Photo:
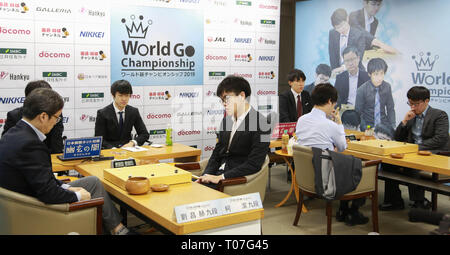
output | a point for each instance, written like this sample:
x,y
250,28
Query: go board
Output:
x,y
382,147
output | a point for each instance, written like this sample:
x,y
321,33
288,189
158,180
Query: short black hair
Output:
x,y
42,100
121,86
322,93
235,84
417,93
323,69
376,64
296,74
351,49
340,15
373,1
32,85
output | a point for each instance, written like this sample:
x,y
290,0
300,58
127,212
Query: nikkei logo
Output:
x,y
137,32
12,100
424,65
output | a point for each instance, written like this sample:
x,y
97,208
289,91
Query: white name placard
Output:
x,y
218,207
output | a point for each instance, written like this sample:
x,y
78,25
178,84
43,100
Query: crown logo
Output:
x,y
425,63
137,31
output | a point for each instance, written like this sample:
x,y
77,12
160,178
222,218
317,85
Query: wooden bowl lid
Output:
x,y
159,187
424,153
397,155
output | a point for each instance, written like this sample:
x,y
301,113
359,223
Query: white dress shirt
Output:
x,y
296,96
368,21
315,130
352,87
42,137
343,40
116,110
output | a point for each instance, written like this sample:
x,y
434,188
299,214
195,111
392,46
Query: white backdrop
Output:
x,y
60,41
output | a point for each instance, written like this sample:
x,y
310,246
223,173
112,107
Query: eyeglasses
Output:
x,y
414,104
58,119
226,99
349,60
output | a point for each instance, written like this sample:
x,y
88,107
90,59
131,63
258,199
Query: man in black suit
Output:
x,y
25,162
115,122
294,102
54,140
349,81
343,35
365,18
244,135
422,125
323,73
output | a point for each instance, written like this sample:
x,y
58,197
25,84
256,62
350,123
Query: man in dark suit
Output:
x,y
54,140
25,162
323,73
365,18
294,102
244,136
343,35
115,122
422,125
349,81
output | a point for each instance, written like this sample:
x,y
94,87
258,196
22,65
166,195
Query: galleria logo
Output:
x,y
14,31
53,10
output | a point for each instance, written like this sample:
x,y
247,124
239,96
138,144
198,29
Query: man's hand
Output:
x,y
409,115
129,144
84,194
210,178
336,116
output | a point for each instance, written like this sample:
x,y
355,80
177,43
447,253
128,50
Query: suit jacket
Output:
x,y
343,82
357,19
107,126
288,107
54,140
248,148
434,131
309,88
358,38
26,167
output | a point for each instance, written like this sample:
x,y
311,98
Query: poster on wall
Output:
x,y
406,35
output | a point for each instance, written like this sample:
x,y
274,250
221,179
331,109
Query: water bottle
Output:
x,y
169,135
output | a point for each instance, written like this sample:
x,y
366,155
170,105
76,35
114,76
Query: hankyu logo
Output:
x,y
216,58
14,31
269,7
93,13
218,3
13,51
242,40
14,77
182,114
85,117
263,40
46,54
90,34
53,10
137,31
266,58
189,94
188,132
243,22
12,100
266,92
210,93
159,116
54,74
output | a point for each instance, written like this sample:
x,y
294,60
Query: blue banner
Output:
x,y
82,147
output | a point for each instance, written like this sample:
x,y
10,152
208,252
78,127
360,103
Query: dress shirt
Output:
x,y
343,40
315,130
417,128
368,21
352,87
295,96
42,137
116,110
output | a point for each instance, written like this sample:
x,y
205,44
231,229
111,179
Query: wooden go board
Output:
x,y
382,147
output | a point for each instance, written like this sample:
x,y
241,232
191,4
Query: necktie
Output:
x,y
377,108
299,107
121,122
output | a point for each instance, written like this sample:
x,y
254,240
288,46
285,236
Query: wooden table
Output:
x,y
287,158
159,206
179,152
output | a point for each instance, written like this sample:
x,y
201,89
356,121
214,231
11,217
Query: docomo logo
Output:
x,y
137,96
13,31
45,54
189,132
266,92
218,58
159,116
244,75
209,148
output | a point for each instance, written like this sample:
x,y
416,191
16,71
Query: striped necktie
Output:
x,y
377,109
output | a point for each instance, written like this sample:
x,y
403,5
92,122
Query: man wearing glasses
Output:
x,y
54,140
422,125
244,135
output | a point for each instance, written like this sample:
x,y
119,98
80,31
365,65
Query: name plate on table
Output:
x,y
278,131
218,207
76,148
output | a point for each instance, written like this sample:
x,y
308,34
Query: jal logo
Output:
x,y
54,74
216,39
12,100
14,31
47,54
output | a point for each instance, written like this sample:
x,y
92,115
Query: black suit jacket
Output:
x,y
26,167
357,19
342,85
248,148
288,107
54,140
107,126
358,38
434,131
309,88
